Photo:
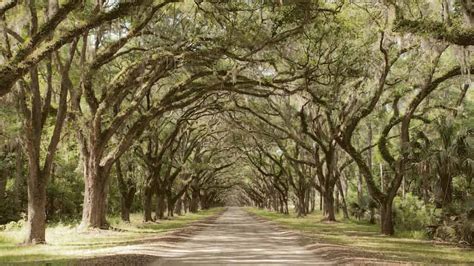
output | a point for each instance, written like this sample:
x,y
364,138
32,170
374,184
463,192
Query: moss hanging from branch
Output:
x,y
454,34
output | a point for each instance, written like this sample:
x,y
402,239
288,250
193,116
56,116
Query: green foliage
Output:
x,y
66,197
364,209
411,213
64,191
13,226
457,223
10,208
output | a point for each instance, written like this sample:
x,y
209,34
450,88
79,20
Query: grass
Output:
x,y
366,237
65,242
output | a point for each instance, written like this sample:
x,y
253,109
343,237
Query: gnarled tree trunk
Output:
x,y
36,224
445,196
386,217
95,196
147,204
160,205
329,210
179,207
127,191
194,204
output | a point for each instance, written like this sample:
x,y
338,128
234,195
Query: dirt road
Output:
x,y
235,237
238,238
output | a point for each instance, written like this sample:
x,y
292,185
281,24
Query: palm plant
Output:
x,y
448,156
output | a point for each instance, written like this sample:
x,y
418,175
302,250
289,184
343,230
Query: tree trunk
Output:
x,y
36,184
371,215
95,198
194,204
203,200
186,203
300,207
329,206
307,201
345,212
160,205
36,224
171,210
125,211
126,204
147,204
281,206
275,202
50,208
321,201
170,205
19,183
3,183
386,217
179,207
446,192
360,192
127,192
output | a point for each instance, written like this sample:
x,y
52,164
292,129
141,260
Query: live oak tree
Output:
x,y
36,112
39,44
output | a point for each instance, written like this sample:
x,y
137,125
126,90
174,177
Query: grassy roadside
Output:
x,y
366,237
65,242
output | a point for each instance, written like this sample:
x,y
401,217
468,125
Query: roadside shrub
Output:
x,y
416,234
64,194
14,225
363,210
10,210
456,223
412,213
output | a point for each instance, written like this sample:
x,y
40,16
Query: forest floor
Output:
x,y
65,244
353,241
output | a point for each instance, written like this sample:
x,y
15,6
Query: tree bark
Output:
x,y
19,178
307,201
300,206
171,209
179,207
125,210
345,212
147,202
95,197
36,224
321,201
194,204
127,191
3,183
386,217
203,198
329,206
186,203
160,205
126,204
446,193
50,208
